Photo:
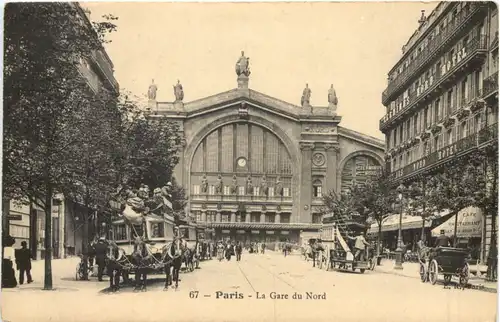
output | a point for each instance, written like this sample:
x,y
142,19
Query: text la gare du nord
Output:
x,y
261,296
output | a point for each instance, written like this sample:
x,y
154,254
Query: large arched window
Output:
x,y
237,151
357,170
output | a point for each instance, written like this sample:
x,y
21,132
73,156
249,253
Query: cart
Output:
x,y
447,261
338,254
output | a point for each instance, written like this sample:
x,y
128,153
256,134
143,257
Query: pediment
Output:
x,y
250,97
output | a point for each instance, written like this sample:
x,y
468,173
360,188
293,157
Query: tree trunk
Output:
x,y
422,237
379,238
455,239
85,243
47,283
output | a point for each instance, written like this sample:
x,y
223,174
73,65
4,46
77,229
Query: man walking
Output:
x,y
23,262
239,249
100,257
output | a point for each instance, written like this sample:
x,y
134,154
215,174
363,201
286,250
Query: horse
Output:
x,y
115,261
172,255
141,260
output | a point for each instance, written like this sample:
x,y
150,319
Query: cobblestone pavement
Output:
x,y
204,296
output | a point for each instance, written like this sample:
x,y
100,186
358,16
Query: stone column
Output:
x,y
331,168
247,216
277,219
263,216
233,216
218,217
304,213
204,216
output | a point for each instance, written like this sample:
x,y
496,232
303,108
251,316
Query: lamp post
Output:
x,y
399,249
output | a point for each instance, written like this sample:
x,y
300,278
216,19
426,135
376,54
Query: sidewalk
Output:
x,y
412,270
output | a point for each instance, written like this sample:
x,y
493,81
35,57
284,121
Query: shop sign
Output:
x,y
255,232
226,231
240,231
285,232
270,232
469,224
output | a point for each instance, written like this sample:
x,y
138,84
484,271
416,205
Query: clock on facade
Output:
x,y
242,162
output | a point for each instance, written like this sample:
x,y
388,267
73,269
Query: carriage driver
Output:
x,y
359,244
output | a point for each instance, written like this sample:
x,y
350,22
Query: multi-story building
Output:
x,y
27,223
442,95
255,167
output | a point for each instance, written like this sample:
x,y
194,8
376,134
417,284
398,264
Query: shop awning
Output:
x,y
408,222
469,224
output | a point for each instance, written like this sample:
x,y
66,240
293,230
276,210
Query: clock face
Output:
x,y
242,162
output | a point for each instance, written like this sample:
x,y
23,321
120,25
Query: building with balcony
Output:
x,y
442,95
255,167
27,223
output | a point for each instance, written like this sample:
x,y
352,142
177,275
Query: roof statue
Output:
x,y
306,97
332,98
152,90
243,65
178,92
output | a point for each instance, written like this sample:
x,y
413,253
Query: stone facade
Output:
x,y
310,146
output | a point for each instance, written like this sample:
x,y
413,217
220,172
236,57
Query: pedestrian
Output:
x,y
100,257
229,251
8,274
238,251
23,262
263,248
359,244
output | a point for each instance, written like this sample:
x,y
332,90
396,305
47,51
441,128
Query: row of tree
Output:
x,y
468,180
61,135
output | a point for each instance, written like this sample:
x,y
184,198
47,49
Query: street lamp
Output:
x,y
399,249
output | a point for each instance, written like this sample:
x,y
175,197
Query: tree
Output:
x,y
424,189
377,196
44,46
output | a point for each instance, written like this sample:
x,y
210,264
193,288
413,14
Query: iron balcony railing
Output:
x,y
221,197
490,84
459,147
453,65
434,46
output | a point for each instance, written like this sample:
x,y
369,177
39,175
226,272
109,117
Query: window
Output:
x,y
415,124
211,190
317,188
449,102
270,218
158,229
120,232
196,189
477,123
197,214
285,218
408,157
449,136
465,91
436,143
463,130
224,217
317,218
211,216
437,104
286,192
227,190
270,191
426,112
394,137
256,191
241,190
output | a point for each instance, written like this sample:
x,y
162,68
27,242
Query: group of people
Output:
x,y
228,249
22,258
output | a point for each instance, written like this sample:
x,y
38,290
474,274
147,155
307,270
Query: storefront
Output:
x,y
469,229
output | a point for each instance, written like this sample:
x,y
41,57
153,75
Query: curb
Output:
x,y
470,286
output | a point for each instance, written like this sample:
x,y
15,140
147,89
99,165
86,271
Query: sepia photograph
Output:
x,y
250,161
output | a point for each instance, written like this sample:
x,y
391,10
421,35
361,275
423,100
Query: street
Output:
x,y
259,288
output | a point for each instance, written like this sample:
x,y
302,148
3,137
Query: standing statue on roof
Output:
x,y
306,97
178,92
332,97
243,65
152,90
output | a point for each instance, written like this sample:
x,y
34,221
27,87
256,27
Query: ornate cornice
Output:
x,y
306,146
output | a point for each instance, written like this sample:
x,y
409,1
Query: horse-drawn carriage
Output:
x,y
338,253
146,238
447,261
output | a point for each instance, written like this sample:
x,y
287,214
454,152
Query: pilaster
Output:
x,y
277,219
247,217
331,167
263,216
233,216
218,216
306,184
204,215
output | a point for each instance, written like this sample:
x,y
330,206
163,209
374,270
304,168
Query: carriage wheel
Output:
x,y
433,271
447,278
424,275
464,275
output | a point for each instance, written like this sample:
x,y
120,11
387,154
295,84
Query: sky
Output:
x,y
350,45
